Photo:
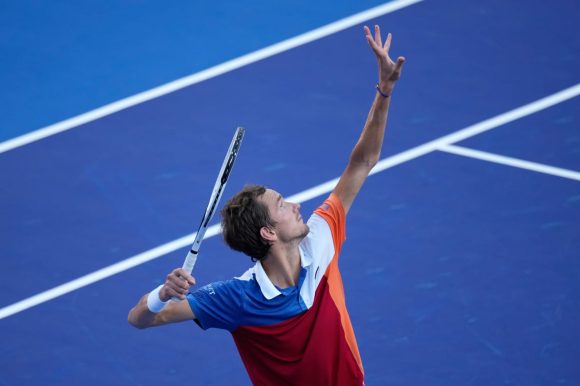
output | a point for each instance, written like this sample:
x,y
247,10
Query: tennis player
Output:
x,y
287,314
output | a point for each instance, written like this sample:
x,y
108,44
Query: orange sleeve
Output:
x,y
332,212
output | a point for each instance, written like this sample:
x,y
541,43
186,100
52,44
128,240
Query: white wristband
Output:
x,y
154,303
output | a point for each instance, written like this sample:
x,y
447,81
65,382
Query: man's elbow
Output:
x,y
137,325
365,162
135,322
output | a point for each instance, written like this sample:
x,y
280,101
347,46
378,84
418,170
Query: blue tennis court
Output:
x,y
461,265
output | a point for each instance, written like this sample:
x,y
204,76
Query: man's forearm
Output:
x,y
140,316
367,151
368,148
163,311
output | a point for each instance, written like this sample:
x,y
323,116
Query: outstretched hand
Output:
x,y
389,71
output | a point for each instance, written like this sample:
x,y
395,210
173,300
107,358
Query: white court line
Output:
x,y
509,161
104,273
479,128
301,197
209,73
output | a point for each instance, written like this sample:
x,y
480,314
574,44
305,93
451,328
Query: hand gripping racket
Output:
x,y
216,194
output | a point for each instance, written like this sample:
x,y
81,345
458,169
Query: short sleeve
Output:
x,y
217,305
332,212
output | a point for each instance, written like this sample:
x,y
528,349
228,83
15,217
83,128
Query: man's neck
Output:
x,y
282,265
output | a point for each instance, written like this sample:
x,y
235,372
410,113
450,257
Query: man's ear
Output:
x,y
268,234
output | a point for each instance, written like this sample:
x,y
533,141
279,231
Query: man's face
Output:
x,y
286,215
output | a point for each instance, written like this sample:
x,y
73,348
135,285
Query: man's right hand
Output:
x,y
176,285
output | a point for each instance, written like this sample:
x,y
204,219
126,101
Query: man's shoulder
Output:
x,y
230,287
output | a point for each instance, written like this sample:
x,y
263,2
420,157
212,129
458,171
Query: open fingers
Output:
x,y
376,41
388,69
376,47
370,38
388,43
378,38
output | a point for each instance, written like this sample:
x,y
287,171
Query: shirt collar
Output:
x,y
305,258
268,289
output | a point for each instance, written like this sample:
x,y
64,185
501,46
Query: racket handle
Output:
x,y
190,261
188,264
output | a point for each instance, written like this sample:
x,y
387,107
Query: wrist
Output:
x,y
385,92
386,87
154,302
163,294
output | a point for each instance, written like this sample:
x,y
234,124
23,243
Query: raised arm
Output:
x,y
367,150
177,284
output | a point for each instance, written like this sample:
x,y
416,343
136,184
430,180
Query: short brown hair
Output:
x,y
242,218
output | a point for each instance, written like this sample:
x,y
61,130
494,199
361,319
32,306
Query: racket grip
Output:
x,y
190,260
188,264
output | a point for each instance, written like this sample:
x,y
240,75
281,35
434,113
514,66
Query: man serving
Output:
x,y
287,314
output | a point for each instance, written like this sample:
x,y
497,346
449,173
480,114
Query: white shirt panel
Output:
x,y
317,248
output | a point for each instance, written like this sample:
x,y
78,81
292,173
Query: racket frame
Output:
x,y
215,197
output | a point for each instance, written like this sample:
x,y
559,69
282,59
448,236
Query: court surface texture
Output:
x,y
462,259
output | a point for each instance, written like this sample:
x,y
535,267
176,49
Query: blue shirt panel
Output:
x,y
231,303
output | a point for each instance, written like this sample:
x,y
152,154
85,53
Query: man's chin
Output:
x,y
305,233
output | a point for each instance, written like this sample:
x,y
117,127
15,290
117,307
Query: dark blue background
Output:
x,y
457,271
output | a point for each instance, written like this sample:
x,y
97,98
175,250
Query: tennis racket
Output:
x,y
216,194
